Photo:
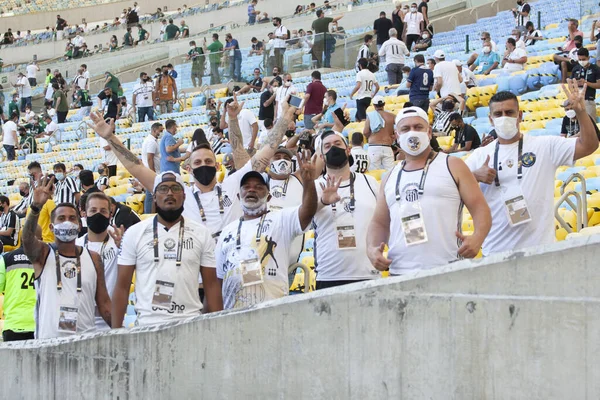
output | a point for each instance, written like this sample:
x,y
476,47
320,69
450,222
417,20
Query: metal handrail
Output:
x,y
580,208
306,270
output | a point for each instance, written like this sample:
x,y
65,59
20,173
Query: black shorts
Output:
x,y
10,336
361,108
32,81
328,284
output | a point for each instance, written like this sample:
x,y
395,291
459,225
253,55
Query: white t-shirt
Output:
x,y
413,23
468,79
150,146
278,230
263,134
280,31
280,96
51,127
143,92
8,128
215,221
367,81
361,160
449,73
109,156
197,249
542,155
394,51
108,252
515,55
32,70
332,263
78,41
246,119
25,90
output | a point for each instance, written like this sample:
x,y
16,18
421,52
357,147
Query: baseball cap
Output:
x,y
167,176
283,150
227,158
439,54
458,63
411,112
253,174
378,100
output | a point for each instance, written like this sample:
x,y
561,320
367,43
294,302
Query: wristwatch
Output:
x,y
35,209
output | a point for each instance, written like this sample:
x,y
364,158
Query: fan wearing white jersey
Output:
x,y
419,208
167,253
517,172
252,253
358,153
347,202
73,283
102,240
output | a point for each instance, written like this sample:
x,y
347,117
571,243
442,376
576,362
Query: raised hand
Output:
x,y
575,95
379,261
330,191
43,192
485,174
306,165
234,108
117,234
100,126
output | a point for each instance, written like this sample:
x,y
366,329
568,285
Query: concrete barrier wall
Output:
x,y
514,326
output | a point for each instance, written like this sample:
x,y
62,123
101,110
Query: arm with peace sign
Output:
x,y
35,249
587,142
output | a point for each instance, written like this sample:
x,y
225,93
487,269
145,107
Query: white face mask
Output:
x,y
425,36
281,167
571,114
584,63
66,231
506,127
287,84
413,9
405,76
414,142
487,49
254,208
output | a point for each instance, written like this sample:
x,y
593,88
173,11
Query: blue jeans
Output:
x,y
329,46
236,68
251,19
143,111
148,202
10,152
25,101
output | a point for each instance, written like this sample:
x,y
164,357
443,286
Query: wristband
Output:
x,y
325,204
35,209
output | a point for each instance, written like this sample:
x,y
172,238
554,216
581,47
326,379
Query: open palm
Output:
x,y
330,190
100,126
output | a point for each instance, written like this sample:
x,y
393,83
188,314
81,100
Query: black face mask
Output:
x,y
22,193
100,171
123,103
214,123
336,157
169,215
1,208
578,45
290,133
448,106
204,174
97,223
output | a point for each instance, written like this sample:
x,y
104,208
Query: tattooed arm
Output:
x,y
129,160
240,155
261,160
35,249
102,297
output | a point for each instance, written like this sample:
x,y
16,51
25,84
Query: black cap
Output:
x,y
253,174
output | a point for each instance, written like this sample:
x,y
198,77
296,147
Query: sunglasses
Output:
x,y
176,189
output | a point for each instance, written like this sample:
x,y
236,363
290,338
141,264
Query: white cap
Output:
x,y
411,112
439,54
458,63
167,176
378,100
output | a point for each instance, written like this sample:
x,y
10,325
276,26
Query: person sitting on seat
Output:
x,y
466,137
487,61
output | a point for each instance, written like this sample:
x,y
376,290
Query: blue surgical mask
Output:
x,y
59,176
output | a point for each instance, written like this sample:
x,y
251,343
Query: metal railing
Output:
x,y
580,205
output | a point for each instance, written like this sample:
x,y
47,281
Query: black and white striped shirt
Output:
x,y
10,220
102,181
217,144
522,19
65,191
363,52
23,205
441,121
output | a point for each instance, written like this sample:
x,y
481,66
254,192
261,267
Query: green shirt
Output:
x,y
197,56
321,25
13,107
184,31
16,281
170,31
142,34
215,49
127,39
114,84
64,105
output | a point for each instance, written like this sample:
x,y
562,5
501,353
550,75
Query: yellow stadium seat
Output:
x,y
309,261
561,234
220,176
556,40
585,162
309,235
112,181
110,192
376,174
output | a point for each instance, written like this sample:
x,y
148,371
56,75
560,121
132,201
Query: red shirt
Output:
x,y
570,44
317,91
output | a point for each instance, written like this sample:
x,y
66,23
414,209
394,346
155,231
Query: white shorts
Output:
x,y
380,157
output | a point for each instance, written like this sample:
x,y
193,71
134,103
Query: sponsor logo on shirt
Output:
x,y
528,159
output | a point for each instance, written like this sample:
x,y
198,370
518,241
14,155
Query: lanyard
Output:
x,y
86,240
430,157
59,274
519,169
179,244
201,208
238,241
285,185
352,201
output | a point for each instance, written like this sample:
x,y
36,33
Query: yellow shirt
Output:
x,y
44,221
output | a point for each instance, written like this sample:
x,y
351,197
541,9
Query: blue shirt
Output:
x,y
421,83
485,61
328,117
173,166
250,10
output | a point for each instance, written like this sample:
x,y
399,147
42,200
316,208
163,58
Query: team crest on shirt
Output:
x,y
70,269
528,159
345,201
510,163
277,192
170,244
411,192
227,201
